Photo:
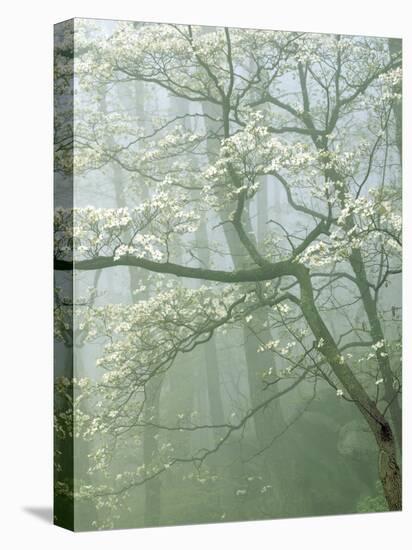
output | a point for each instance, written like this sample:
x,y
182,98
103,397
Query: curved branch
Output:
x,y
263,273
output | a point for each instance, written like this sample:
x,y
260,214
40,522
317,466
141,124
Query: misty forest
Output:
x,y
227,274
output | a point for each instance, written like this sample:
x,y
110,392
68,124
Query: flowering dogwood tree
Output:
x,y
283,150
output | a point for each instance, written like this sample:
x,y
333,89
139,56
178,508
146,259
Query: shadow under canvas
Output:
x,y
44,513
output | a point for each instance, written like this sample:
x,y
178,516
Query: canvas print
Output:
x,y
227,274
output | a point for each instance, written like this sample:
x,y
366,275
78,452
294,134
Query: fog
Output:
x,y
182,397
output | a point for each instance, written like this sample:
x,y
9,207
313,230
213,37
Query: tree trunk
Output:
x,y
209,348
152,508
377,334
395,47
389,471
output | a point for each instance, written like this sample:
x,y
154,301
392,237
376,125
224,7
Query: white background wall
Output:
x,y
26,272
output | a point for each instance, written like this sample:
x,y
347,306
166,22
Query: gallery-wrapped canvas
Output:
x,y
227,274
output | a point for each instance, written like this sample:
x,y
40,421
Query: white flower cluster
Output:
x,y
361,222
144,231
246,156
391,85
